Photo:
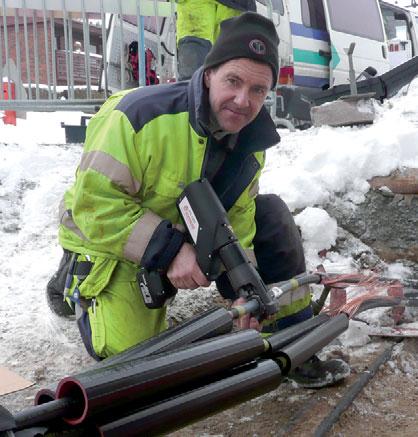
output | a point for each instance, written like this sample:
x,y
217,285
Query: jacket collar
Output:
x,y
257,136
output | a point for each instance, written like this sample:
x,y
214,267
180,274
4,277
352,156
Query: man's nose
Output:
x,y
242,98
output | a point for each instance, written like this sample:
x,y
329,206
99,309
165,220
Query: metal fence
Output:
x,y
69,54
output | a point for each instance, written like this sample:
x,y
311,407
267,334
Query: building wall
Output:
x,y
78,58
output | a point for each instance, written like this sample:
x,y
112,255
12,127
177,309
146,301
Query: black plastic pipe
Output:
x,y
44,413
282,338
140,378
182,410
7,420
44,395
301,350
298,281
211,323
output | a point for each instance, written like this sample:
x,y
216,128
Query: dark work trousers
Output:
x,y
191,55
278,250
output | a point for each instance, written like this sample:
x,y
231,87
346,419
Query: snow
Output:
x,y
307,169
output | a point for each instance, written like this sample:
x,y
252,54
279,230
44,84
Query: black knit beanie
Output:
x,y
250,35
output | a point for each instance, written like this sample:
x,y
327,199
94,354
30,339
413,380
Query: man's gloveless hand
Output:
x,y
184,272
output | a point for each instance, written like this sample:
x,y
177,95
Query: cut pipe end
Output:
x,y
44,396
72,389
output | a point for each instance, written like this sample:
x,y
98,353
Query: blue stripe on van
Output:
x,y
300,30
310,81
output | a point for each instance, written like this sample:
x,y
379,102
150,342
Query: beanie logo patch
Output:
x,y
257,47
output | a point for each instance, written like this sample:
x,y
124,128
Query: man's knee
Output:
x,y
277,243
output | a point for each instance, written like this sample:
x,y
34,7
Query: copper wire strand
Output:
x,y
376,289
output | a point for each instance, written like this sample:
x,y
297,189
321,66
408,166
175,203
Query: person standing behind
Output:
x,y
198,28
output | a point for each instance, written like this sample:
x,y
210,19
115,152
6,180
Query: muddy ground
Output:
x,y
386,406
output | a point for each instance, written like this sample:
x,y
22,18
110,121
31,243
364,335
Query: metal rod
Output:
x,y
157,29
173,23
1,64
141,46
25,31
66,44
53,58
48,72
71,54
36,52
86,42
18,57
104,48
52,105
6,50
122,47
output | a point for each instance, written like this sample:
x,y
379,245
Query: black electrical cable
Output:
x,y
352,392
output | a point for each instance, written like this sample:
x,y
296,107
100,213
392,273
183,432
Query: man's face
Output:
x,y
237,90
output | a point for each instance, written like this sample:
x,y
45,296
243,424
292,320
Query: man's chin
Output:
x,y
233,128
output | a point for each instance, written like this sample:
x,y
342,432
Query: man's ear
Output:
x,y
206,78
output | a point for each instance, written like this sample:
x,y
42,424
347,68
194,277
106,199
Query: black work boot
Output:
x,y
55,289
316,373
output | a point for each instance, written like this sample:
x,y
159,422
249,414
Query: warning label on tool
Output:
x,y
189,218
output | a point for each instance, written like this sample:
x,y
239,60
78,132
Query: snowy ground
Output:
x,y
307,168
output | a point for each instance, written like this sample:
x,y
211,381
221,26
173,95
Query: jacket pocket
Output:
x,y
99,276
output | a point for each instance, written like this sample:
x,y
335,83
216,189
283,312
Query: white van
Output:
x,y
315,33
401,27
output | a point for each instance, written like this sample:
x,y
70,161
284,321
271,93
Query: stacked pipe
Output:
x,y
176,378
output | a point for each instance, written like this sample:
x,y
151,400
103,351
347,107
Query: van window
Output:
x,y
276,5
360,18
313,14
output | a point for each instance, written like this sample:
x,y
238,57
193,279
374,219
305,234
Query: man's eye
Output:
x,y
260,91
232,81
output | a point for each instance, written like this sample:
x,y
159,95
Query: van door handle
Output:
x,y
324,53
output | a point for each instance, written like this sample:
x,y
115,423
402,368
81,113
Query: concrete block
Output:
x,y
348,111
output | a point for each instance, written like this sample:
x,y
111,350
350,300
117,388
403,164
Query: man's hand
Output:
x,y
184,272
246,322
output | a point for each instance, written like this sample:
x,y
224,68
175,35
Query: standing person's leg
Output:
x,y
223,13
279,253
195,34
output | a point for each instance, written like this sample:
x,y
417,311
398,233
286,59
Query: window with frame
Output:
x,y
313,14
359,18
276,5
